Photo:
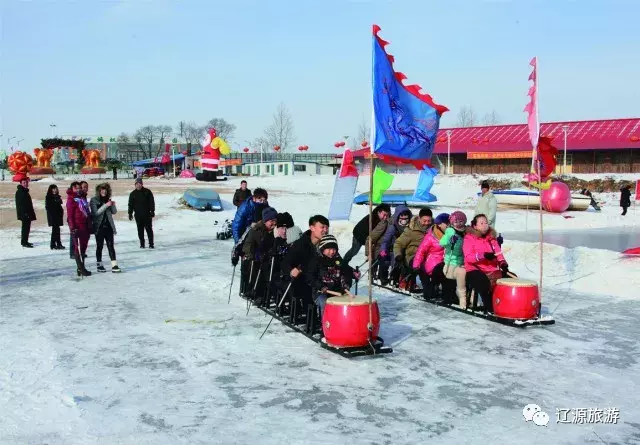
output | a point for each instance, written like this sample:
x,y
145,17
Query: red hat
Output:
x,y
19,177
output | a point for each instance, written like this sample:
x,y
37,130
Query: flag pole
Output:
x,y
541,242
369,241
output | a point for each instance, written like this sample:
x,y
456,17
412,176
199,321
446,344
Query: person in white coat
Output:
x,y
487,204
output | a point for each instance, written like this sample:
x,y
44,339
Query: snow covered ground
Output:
x,y
155,355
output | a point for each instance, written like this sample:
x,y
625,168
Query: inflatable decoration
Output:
x,y
556,198
91,162
19,164
546,155
43,162
212,147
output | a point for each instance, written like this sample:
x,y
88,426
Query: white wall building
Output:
x,y
281,168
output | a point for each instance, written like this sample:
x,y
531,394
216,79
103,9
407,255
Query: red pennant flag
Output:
x,y
348,165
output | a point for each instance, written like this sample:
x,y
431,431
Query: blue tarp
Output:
x,y
143,162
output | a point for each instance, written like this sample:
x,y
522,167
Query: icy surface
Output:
x,y
155,355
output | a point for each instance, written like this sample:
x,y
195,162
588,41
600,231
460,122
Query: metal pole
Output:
x,y
173,156
564,166
448,152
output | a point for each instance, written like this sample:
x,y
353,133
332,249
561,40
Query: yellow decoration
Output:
x,y
221,145
43,157
91,158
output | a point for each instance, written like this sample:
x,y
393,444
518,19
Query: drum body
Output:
x,y
345,321
516,299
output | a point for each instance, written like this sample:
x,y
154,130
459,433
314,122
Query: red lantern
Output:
x,y
276,148
364,144
337,145
246,149
300,148
306,147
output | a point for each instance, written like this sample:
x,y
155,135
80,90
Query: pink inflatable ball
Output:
x,y
557,198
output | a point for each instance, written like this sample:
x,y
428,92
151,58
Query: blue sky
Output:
x,y
105,67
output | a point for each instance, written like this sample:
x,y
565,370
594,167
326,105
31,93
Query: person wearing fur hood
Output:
x,y
102,211
429,260
483,259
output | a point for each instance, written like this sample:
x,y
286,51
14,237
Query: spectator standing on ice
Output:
x,y
241,194
487,204
246,213
141,203
55,214
24,209
104,228
625,198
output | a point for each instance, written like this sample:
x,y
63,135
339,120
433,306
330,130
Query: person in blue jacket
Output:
x,y
245,214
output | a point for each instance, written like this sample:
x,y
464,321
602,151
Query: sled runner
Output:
x,y
473,311
343,342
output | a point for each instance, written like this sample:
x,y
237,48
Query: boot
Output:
x,y
100,267
462,297
59,246
114,267
81,269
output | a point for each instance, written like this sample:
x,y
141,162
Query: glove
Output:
x,y
153,214
504,267
500,239
399,258
454,239
130,217
356,275
234,261
383,254
489,256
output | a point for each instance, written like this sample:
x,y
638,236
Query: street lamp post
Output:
x,y
18,142
9,142
53,128
564,164
448,152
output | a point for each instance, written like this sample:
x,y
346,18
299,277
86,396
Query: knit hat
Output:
x,y
442,218
458,216
281,220
288,220
269,214
485,185
138,181
327,242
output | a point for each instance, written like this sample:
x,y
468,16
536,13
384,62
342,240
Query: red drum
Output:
x,y
345,321
516,299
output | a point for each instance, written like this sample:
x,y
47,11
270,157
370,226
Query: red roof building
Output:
x,y
598,146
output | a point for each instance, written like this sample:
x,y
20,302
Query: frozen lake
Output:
x,y
613,238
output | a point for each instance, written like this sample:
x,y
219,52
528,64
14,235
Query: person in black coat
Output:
x,y
141,203
300,253
625,198
24,209
327,272
241,194
361,230
55,214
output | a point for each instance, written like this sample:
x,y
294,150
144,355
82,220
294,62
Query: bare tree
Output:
x,y
182,125
122,141
491,118
364,132
280,132
164,132
192,134
224,129
466,117
145,137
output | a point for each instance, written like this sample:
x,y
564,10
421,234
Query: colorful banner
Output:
x,y
381,183
638,190
230,162
406,119
344,188
499,155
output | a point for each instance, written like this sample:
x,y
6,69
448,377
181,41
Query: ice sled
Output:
x,y
531,199
203,199
396,197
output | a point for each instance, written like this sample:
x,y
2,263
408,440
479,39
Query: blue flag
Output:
x,y
425,182
406,120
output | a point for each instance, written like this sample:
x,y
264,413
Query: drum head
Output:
x,y
516,282
348,301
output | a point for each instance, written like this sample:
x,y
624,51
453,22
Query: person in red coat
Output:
x,y
79,219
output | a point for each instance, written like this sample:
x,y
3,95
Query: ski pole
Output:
x,y
255,286
278,307
233,274
357,271
270,277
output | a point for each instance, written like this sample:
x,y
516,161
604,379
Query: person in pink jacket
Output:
x,y
483,259
79,219
429,260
